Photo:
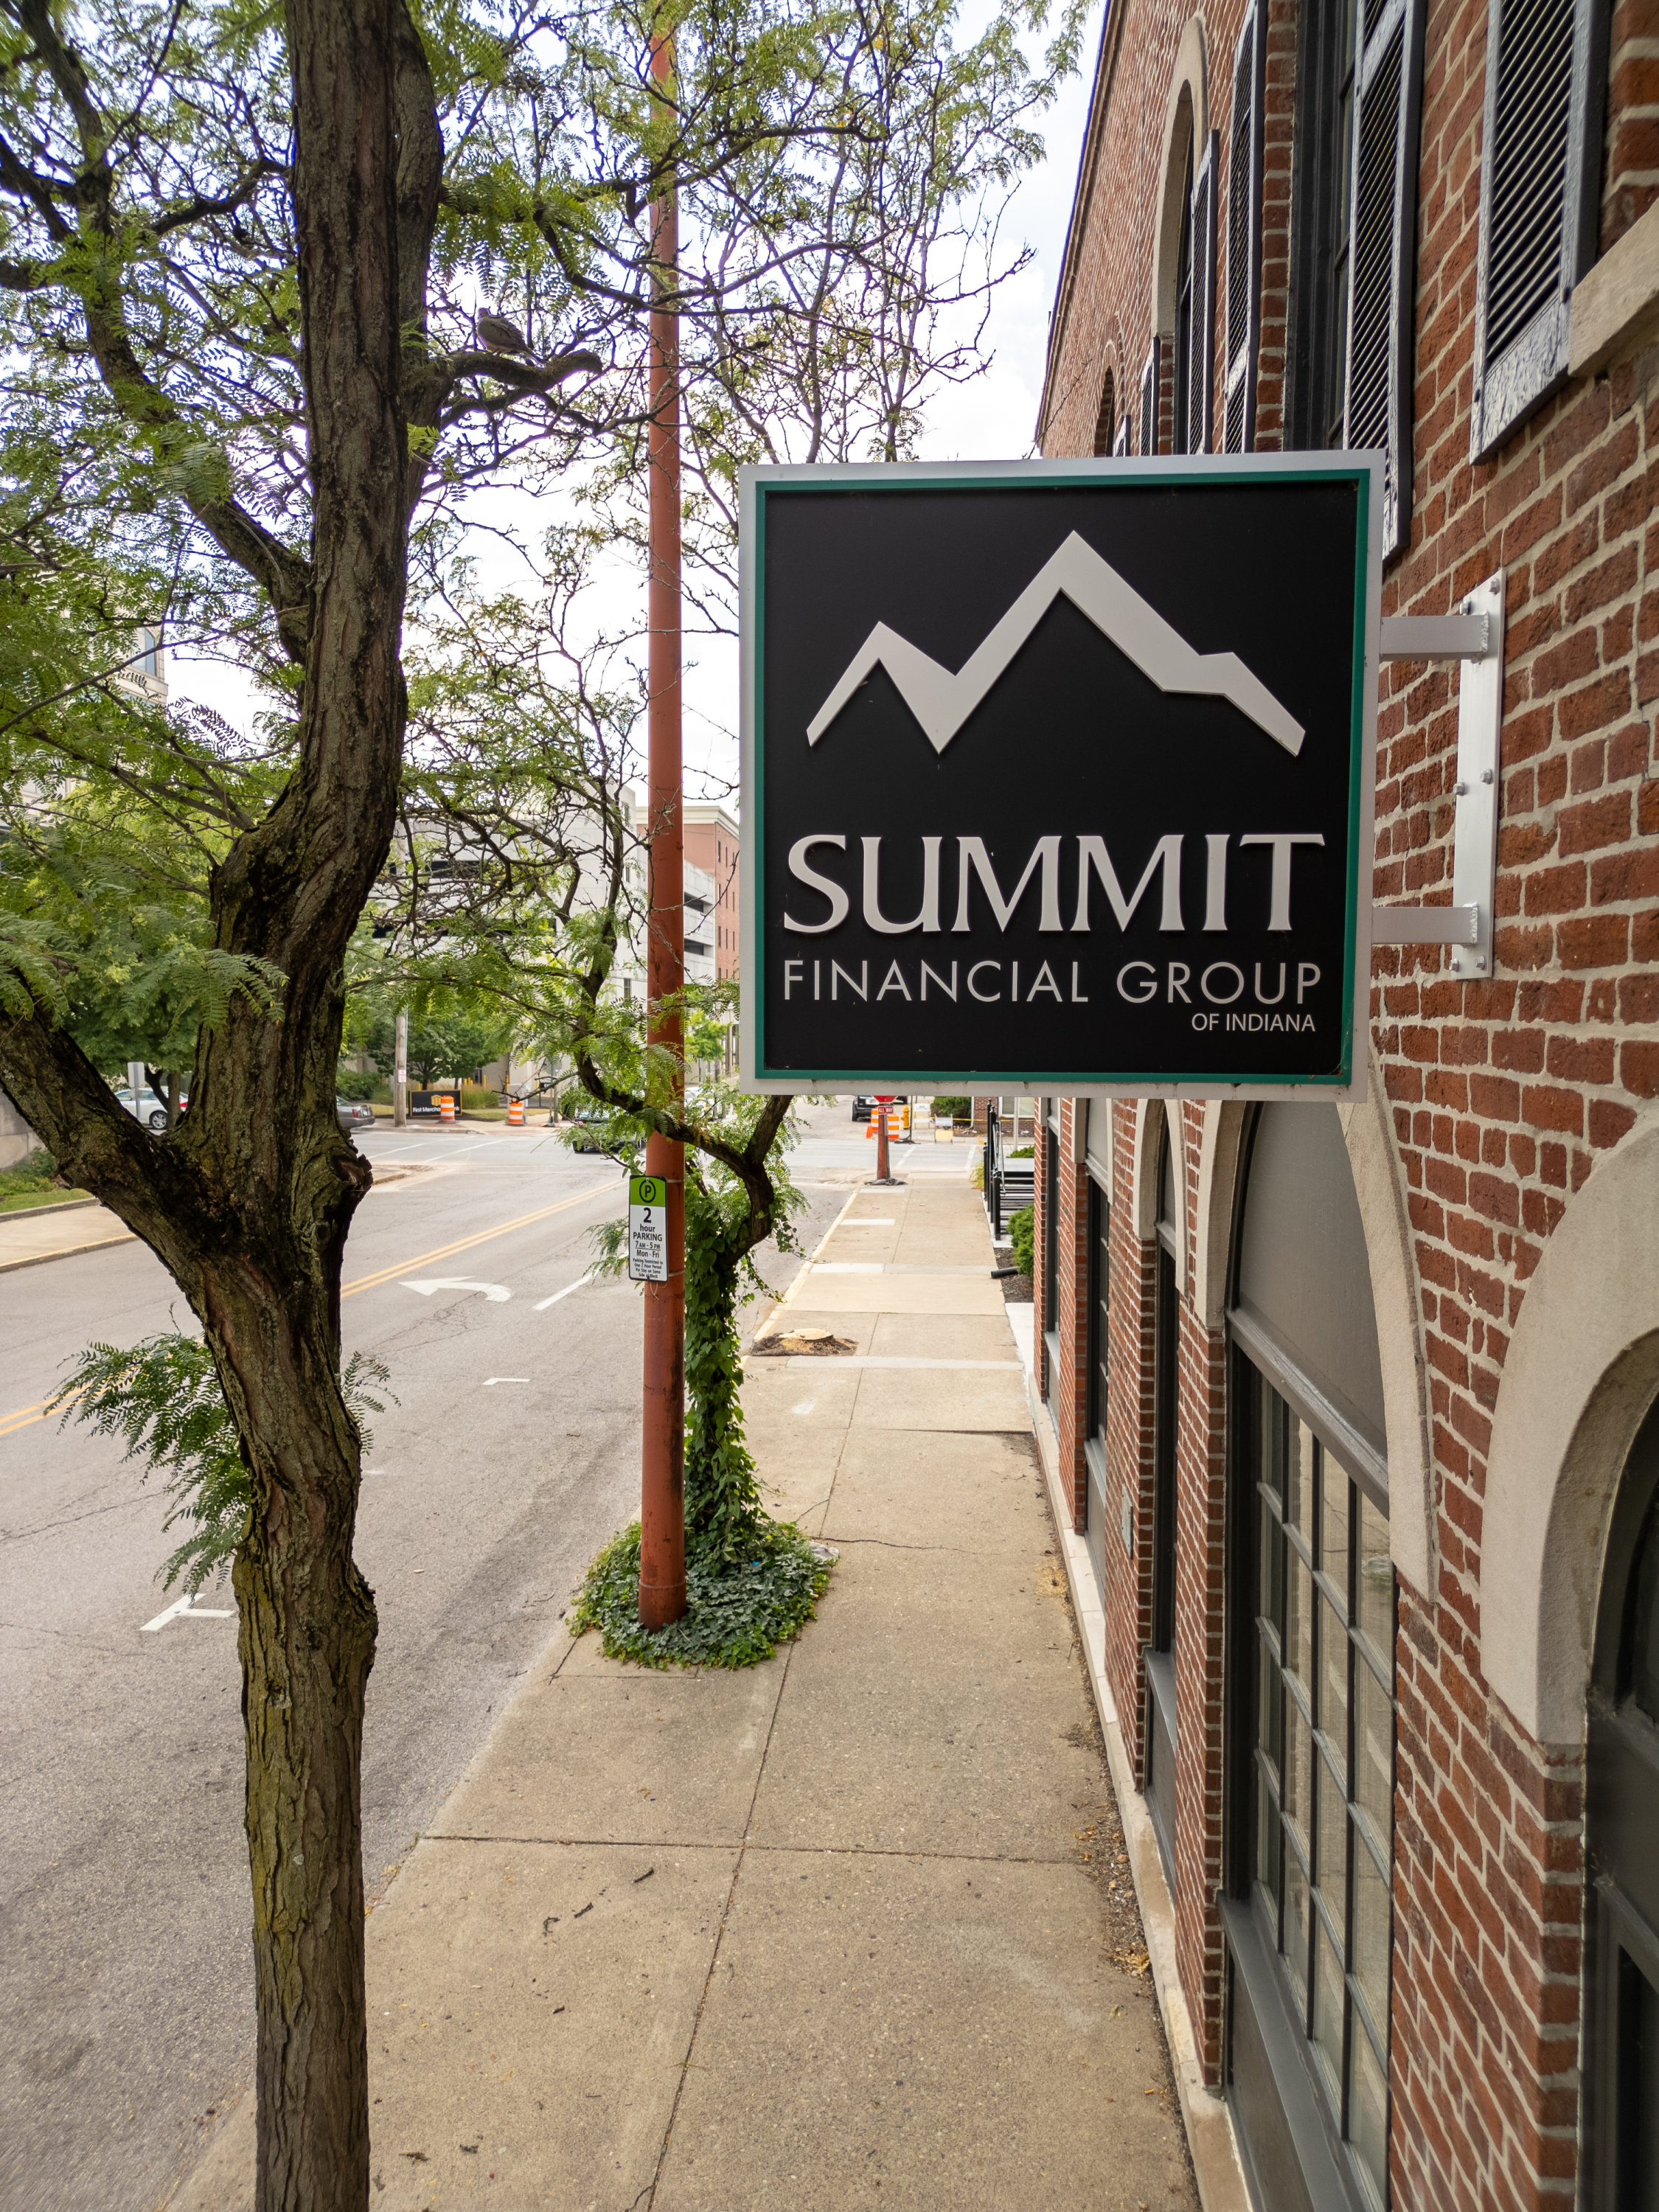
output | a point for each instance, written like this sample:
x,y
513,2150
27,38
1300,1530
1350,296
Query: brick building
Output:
x,y
1352,1408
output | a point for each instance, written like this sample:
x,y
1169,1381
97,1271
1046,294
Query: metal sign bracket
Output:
x,y
1474,637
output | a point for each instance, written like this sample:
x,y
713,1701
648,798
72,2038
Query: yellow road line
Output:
x,y
25,1417
465,1243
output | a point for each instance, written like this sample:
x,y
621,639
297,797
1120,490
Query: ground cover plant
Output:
x,y
751,1581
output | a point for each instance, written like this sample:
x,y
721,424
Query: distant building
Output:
x,y
146,674
704,925
713,843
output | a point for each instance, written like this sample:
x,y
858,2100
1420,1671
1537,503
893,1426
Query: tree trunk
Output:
x,y
248,1201
306,1639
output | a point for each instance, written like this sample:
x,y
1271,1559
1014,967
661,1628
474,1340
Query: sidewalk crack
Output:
x,y
887,1543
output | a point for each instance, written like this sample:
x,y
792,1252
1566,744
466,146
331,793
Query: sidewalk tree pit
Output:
x,y
751,1582
1060,774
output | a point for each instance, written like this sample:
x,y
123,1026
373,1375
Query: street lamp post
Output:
x,y
400,1070
662,1489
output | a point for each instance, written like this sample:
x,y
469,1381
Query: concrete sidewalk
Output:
x,y
54,1231
851,1929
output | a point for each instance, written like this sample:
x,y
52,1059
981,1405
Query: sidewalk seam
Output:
x,y
760,1776
746,1844
719,1938
805,1269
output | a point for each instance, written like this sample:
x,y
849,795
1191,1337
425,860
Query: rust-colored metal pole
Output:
x,y
662,1487
883,1171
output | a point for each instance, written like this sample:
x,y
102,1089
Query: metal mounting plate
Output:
x,y
1474,636
1437,637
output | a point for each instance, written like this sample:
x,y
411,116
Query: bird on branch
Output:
x,y
497,335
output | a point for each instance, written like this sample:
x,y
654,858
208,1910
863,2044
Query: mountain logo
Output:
x,y
942,702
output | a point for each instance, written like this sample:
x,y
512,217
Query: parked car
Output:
x,y
151,1110
591,1125
864,1110
353,1113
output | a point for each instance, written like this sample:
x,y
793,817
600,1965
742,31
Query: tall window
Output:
x,y
1540,179
1359,76
1100,1294
1048,1137
1324,190
1150,376
1244,235
1106,419
1322,1760
1622,1786
1183,310
1159,1661
1196,305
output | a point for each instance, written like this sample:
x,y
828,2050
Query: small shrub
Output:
x,y
32,1178
355,1083
952,1110
737,1614
1022,1235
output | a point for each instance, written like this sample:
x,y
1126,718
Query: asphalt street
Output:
x,y
512,1454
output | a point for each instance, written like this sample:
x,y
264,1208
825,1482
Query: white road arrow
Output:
x,y
497,1293
185,1608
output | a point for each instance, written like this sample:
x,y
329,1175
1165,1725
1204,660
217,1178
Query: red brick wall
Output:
x,y
1503,1092
1488,1906
1111,298
1631,169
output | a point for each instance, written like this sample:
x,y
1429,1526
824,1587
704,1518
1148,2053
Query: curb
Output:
x,y
94,1244
57,1206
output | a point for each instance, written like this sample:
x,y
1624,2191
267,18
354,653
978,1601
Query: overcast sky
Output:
x,y
993,418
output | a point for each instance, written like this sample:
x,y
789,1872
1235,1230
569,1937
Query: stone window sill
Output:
x,y
1615,306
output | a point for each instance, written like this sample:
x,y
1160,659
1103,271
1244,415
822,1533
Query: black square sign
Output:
x,y
1058,775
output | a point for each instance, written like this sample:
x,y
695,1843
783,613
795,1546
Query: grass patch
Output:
x,y
735,1615
33,1182
20,1201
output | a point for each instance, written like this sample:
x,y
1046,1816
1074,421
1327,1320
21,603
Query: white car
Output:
x,y
151,1110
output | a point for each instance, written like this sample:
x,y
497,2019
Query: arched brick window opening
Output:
x,y
1106,420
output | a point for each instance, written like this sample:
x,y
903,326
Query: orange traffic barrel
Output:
x,y
516,1113
447,1107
